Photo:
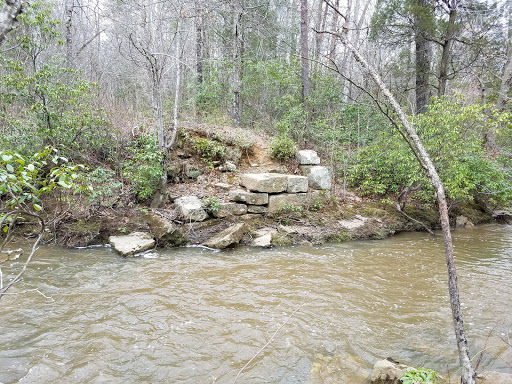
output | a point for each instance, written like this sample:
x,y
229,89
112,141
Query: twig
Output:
x,y
34,248
270,340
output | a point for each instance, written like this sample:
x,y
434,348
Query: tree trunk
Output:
x,y
318,26
69,31
170,142
199,45
468,373
447,48
304,52
334,28
237,64
157,110
506,77
8,13
423,52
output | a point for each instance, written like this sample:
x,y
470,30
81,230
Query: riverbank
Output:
x,y
196,171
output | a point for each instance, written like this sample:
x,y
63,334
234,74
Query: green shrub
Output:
x,y
209,150
211,204
452,135
144,168
420,376
283,147
105,189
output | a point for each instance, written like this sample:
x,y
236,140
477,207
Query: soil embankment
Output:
x,y
208,163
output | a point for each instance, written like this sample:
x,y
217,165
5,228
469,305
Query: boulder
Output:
x,y
265,182
165,231
191,208
319,177
264,241
297,184
388,372
248,197
259,209
130,245
463,222
227,167
230,235
230,209
307,157
277,202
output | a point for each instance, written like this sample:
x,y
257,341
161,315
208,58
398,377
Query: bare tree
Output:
x,y
8,13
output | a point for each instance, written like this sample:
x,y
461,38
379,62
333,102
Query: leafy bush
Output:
x,y
105,189
420,376
209,150
47,104
144,168
212,204
23,180
283,147
452,134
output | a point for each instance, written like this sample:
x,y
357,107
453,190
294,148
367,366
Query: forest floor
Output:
x,y
340,215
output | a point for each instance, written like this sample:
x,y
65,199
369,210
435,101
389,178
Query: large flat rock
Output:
x,y
130,245
286,200
252,198
297,184
230,209
265,182
230,235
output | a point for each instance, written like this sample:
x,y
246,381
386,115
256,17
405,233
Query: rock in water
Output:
x,y
165,231
388,372
230,235
130,245
264,241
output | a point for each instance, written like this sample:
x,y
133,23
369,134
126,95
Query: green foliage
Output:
x,y
316,205
283,147
45,103
212,204
23,180
105,189
208,150
144,168
420,376
451,133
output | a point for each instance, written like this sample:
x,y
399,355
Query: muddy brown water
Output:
x,y
191,315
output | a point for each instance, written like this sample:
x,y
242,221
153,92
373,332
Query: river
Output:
x,y
191,315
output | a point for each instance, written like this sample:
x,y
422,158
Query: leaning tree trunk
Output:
x,y
468,373
8,13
